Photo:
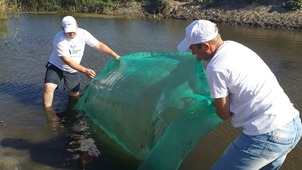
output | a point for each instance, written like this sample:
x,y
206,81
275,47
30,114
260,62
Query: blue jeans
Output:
x,y
265,152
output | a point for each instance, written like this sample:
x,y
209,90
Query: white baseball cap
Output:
x,y
198,31
69,24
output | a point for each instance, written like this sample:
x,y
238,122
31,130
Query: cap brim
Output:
x,y
184,45
70,29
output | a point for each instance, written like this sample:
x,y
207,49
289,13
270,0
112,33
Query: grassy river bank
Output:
x,y
271,14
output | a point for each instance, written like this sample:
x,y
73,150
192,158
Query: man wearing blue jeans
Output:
x,y
247,93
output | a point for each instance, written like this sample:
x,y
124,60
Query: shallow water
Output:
x,y
25,45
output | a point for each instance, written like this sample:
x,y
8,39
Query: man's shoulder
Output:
x,y
60,36
235,45
82,31
231,43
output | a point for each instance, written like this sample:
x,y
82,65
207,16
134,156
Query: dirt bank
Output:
x,y
268,15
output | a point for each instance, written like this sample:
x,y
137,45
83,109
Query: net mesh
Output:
x,y
156,105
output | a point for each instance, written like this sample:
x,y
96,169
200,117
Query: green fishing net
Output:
x,y
156,105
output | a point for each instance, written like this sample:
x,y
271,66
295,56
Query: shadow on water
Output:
x,y
91,146
76,151
46,152
75,147
58,152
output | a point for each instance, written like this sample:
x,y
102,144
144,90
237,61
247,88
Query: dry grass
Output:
x,y
3,7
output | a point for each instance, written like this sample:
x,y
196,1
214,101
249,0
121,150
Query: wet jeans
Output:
x,y
265,152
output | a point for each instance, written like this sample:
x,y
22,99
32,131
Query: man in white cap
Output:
x,y
64,63
247,93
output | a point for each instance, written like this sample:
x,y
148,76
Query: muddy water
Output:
x,y
25,45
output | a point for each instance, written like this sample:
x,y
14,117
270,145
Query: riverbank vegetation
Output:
x,y
279,14
103,6
3,8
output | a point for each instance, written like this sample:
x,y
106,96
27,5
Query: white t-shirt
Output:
x,y
74,48
258,102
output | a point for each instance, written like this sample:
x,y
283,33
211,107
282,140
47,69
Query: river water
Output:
x,y
26,43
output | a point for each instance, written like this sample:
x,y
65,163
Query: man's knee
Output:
x,y
49,87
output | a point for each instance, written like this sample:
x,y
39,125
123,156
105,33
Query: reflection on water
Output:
x,y
25,135
3,31
3,28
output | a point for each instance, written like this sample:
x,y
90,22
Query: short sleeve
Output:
x,y
90,39
218,84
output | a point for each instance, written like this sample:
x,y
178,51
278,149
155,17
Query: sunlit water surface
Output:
x,y
25,45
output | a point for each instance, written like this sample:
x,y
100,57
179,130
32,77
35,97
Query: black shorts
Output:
x,y
56,76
